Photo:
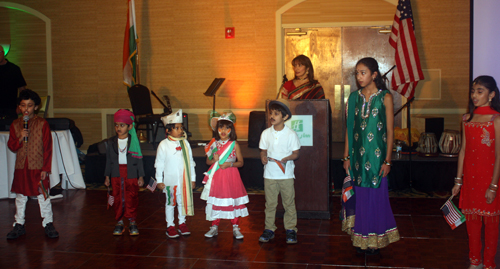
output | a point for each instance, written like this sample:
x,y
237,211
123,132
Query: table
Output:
x,y
64,162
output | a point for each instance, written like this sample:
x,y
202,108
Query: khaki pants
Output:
x,y
286,188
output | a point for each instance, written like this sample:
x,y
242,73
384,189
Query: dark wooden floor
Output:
x,y
86,239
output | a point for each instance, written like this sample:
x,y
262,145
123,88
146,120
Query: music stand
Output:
x,y
212,89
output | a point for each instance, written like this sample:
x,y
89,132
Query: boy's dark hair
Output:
x,y
230,125
170,126
27,94
278,108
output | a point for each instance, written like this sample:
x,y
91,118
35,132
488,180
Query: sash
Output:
x,y
187,191
224,153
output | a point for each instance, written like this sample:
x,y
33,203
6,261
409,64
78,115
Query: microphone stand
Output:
x,y
166,109
408,123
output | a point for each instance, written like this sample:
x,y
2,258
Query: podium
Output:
x,y
311,120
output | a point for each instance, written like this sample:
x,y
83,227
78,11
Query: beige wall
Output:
x,y
182,49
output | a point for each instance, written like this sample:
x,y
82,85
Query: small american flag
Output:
x,y
408,71
452,215
151,185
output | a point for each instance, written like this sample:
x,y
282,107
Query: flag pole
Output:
x,y
137,73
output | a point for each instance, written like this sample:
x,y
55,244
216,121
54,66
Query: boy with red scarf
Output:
x,y
124,167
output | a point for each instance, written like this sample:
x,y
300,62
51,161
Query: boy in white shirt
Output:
x,y
279,148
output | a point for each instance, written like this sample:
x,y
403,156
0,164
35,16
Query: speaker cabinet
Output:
x,y
256,125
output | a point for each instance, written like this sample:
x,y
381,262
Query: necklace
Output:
x,y
296,78
367,114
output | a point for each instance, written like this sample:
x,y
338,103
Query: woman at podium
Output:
x,y
303,85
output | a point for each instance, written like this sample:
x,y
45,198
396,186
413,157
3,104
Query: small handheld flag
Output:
x,y
211,149
111,199
347,189
452,215
281,165
43,190
152,185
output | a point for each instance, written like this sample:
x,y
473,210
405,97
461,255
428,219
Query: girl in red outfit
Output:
x,y
479,169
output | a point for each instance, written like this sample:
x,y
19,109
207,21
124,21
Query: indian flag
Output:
x,y
130,47
211,149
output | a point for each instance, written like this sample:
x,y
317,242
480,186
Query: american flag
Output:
x,y
151,185
452,215
408,71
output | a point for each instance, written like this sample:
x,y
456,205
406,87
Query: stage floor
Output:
x,y
86,239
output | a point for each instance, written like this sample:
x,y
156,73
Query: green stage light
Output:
x,y
6,48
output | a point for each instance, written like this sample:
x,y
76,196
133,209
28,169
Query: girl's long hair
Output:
x,y
489,83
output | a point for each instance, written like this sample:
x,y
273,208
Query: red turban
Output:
x,y
124,116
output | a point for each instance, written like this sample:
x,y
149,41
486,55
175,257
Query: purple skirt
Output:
x,y
368,217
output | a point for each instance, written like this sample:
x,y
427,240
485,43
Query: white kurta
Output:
x,y
169,163
169,166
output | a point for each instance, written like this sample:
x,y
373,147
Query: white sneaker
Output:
x,y
236,232
214,230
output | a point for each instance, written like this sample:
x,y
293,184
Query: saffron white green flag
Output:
x,y
130,47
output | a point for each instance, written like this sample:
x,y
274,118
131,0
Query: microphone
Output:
x,y
26,119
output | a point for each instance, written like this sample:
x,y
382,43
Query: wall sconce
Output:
x,y
297,33
382,29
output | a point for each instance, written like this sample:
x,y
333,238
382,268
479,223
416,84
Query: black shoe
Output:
x,y
50,230
291,237
372,251
360,251
266,236
16,232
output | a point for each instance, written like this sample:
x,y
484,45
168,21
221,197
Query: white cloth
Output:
x,y
122,150
45,209
279,144
169,164
169,212
64,162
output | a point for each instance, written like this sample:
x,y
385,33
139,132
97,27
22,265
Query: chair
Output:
x,y
140,99
43,107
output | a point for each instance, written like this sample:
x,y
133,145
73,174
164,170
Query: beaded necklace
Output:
x,y
367,114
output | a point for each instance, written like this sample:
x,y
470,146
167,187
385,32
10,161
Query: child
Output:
x,y
367,159
279,148
33,163
480,164
175,174
224,191
124,166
